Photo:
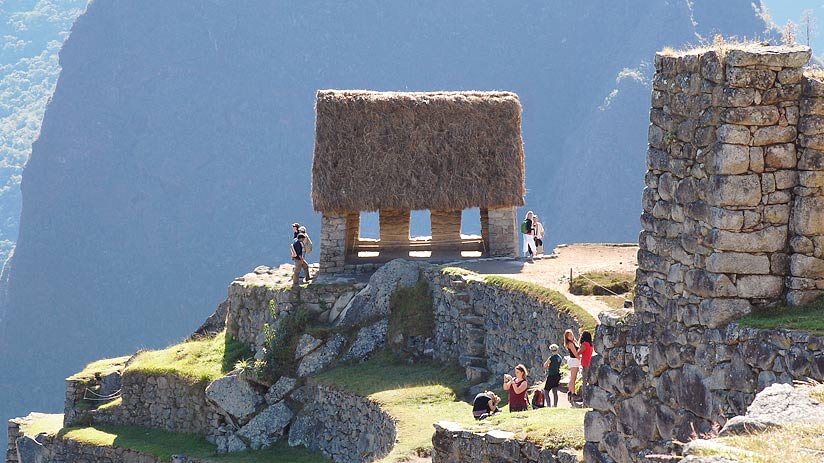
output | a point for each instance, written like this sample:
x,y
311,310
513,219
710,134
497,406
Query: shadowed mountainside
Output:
x,y
177,147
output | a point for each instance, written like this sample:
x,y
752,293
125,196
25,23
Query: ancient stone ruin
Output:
x,y
733,220
398,152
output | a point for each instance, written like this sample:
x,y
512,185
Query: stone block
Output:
x,y
733,97
801,297
782,94
717,313
780,156
811,159
734,190
760,286
808,216
268,426
783,56
752,115
711,67
815,142
728,159
786,179
811,107
769,239
761,79
738,263
735,134
811,179
777,214
790,76
806,266
706,284
234,396
726,219
811,125
774,134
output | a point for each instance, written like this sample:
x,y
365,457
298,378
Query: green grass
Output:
x,y
808,317
457,271
558,300
164,444
411,311
806,441
556,428
602,283
614,302
420,394
101,368
200,360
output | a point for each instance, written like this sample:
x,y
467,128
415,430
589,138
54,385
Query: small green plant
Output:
x,y
281,338
411,311
669,138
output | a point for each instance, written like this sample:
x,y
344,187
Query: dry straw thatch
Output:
x,y
414,151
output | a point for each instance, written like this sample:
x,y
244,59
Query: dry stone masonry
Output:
x,y
732,220
452,443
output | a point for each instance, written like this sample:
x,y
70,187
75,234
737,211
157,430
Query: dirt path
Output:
x,y
553,271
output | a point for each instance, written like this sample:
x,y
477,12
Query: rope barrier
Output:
x,y
99,397
594,282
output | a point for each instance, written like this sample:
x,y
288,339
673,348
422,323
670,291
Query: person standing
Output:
x,y
586,357
553,375
527,229
296,229
298,260
574,362
517,387
538,235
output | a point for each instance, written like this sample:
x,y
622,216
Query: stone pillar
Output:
x,y
503,232
352,232
446,231
394,230
806,281
722,174
485,229
333,229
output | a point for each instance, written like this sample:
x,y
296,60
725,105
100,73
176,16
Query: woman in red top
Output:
x,y
517,389
586,357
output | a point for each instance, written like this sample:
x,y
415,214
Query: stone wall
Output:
x,y
726,228
502,231
489,328
249,298
45,448
334,233
342,426
162,402
452,444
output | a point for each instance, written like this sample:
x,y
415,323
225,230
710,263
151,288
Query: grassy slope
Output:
x,y
808,317
602,283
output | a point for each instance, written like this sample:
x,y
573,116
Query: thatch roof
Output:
x,y
393,150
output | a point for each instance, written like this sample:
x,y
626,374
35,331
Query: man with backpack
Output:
x,y
298,259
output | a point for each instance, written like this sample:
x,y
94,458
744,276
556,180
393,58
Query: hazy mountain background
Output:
x,y
177,146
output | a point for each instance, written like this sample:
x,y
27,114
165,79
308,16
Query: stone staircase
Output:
x,y
472,334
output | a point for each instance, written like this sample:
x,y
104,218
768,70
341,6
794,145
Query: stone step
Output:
x,y
476,374
473,319
473,334
472,361
475,349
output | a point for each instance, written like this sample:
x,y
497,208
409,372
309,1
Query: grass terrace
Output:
x,y
587,321
163,444
602,283
101,368
199,360
807,446
807,317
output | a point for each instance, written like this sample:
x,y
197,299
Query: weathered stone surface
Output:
x,y
634,417
778,405
811,159
793,56
733,97
726,219
751,115
761,79
728,159
280,389
267,427
373,301
734,190
780,156
736,262
773,134
769,239
715,313
781,94
708,284
322,357
734,134
806,266
306,343
368,339
808,216
596,425
760,286
30,451
234,396
811,179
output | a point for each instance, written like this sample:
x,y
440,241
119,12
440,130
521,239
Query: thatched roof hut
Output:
x,y
415,151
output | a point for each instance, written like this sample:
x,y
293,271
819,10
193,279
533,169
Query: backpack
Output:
x,y
538,399
524,227
307,245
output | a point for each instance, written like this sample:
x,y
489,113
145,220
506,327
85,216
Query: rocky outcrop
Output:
x,y
372,302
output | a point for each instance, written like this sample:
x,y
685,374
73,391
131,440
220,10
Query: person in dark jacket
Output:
x,y
298,260
485,405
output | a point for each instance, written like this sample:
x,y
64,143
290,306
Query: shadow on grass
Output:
x,y
233,351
